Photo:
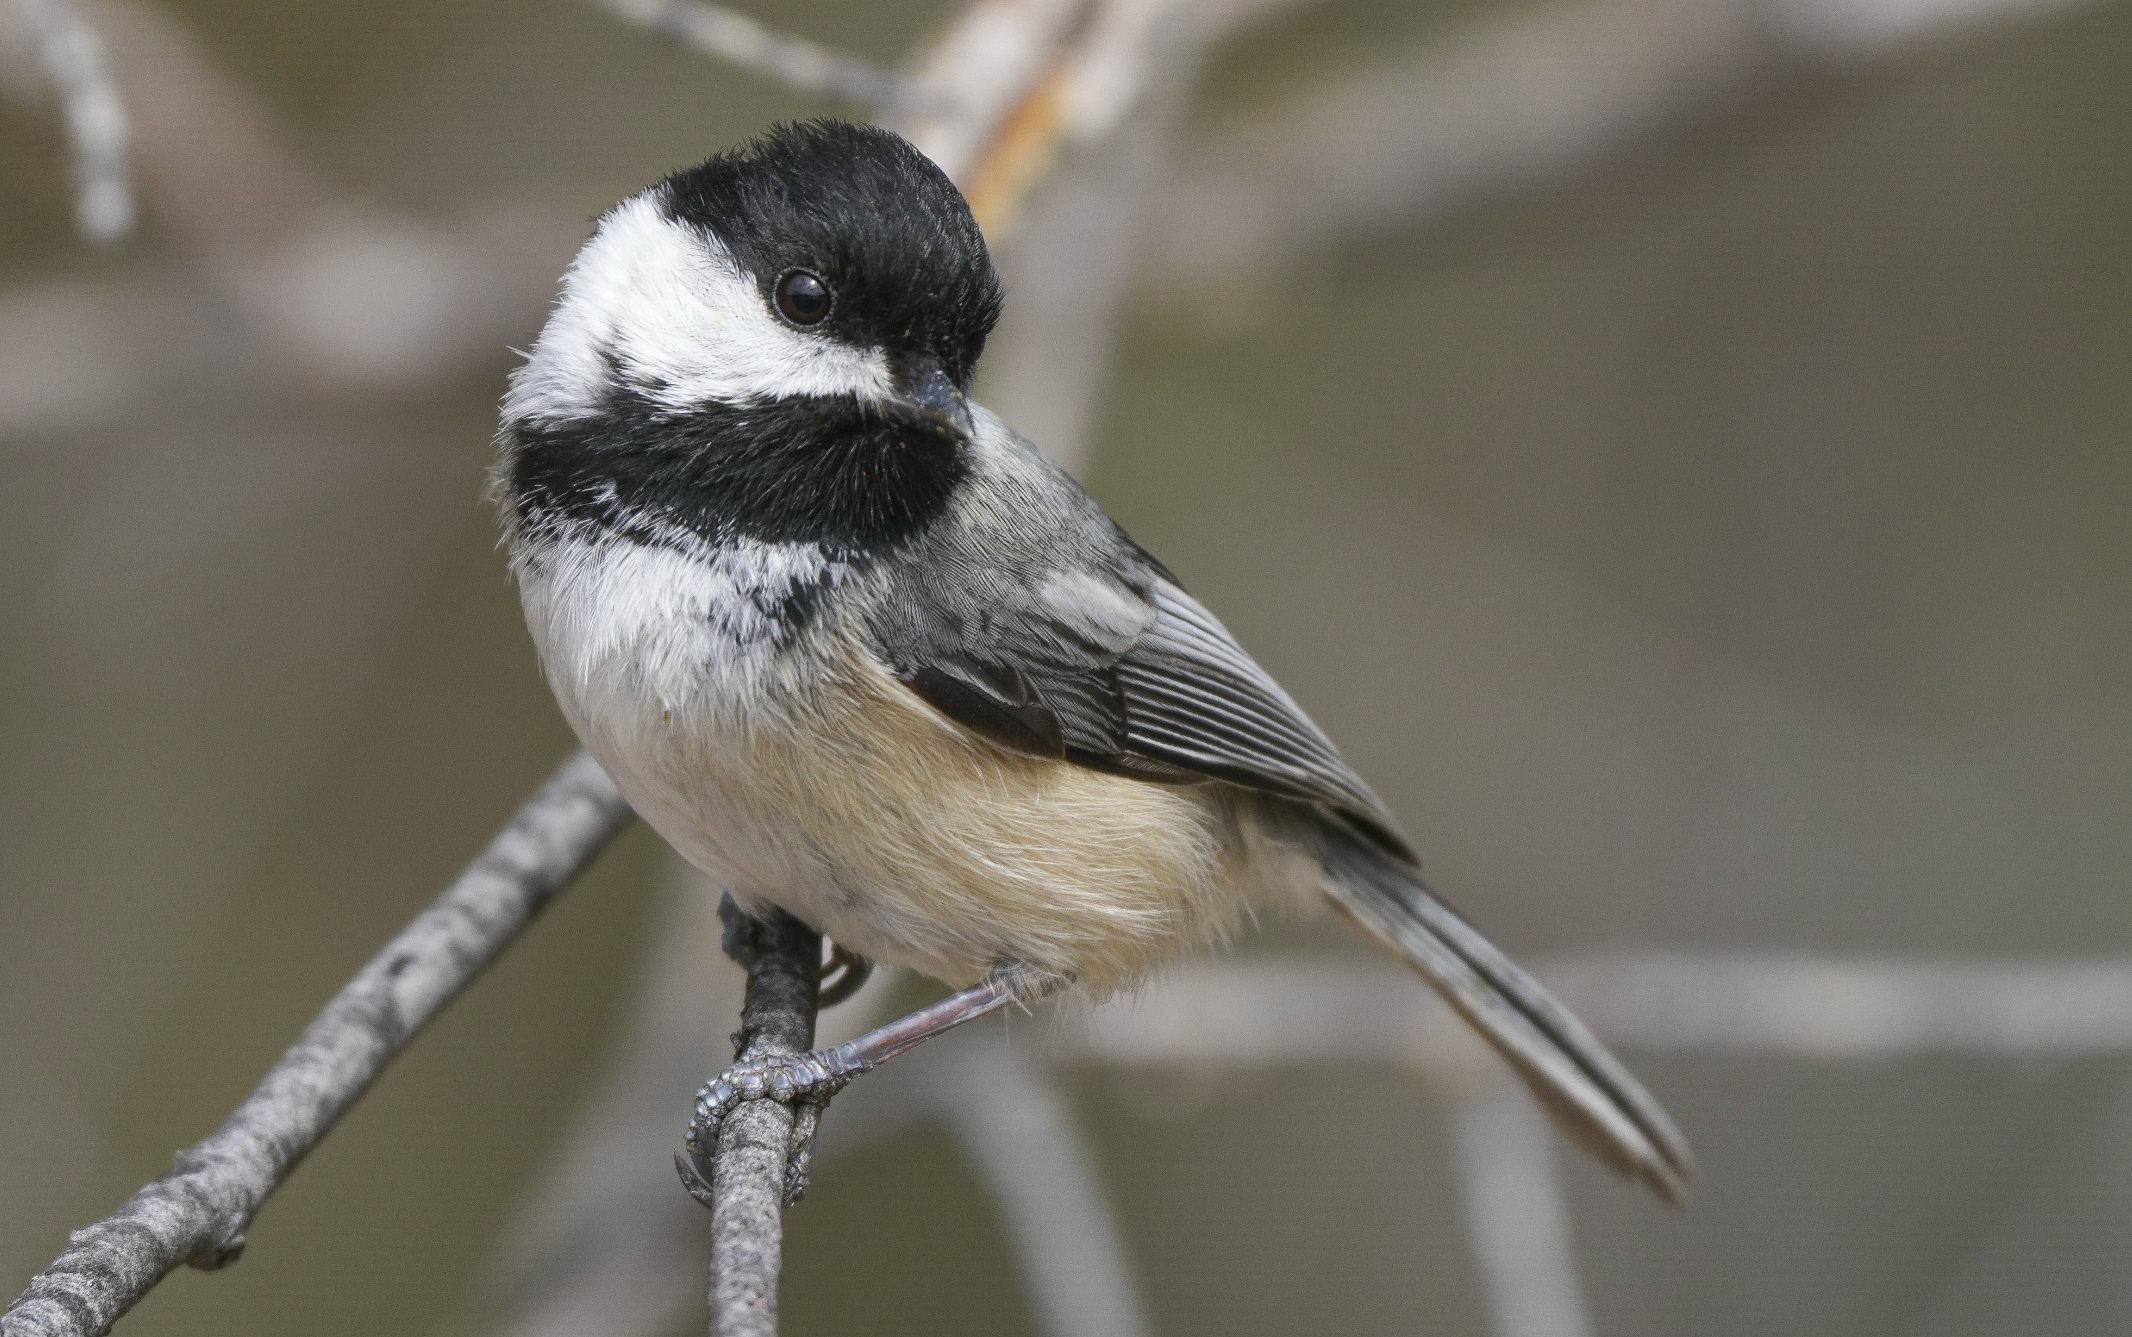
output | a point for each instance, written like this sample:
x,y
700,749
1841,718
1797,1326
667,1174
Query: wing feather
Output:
x,y
1066,639
1114,666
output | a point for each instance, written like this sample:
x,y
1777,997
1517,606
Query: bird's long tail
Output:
x,y
1587,1090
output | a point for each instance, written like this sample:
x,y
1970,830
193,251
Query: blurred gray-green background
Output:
x,y
1709,531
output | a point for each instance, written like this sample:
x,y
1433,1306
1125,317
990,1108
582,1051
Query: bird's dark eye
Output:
x,y
802,297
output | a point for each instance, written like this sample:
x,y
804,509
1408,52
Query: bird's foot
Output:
x,y
803,1081
807,1081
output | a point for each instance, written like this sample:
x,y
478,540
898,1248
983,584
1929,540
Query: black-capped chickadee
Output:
x,y
858,650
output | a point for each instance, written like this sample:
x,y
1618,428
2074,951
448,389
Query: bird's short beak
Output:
x,y
932,398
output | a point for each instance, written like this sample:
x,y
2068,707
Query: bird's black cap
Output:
x,y
872,216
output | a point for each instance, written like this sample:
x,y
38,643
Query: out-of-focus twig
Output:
x,y
1073,242
999,55
72,57
1031,78
210,159
1803,1005
1015,1125
1817,1006
1000,91
716,30
330,296
1515,1216
1516,98
1252,1014
197,1211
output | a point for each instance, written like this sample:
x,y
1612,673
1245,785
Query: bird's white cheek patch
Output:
x,y
665,308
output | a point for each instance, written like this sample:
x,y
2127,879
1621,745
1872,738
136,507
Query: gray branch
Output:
x,y
1020,1133
749,1182
795,62
1515,1214
1525,94
197,1211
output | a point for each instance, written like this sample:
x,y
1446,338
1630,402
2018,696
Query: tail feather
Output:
x,y
1590,1094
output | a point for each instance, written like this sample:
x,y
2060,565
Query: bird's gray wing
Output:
x,y
1101,658
1059,637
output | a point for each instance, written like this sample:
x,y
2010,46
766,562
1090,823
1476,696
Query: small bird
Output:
x,y
858,650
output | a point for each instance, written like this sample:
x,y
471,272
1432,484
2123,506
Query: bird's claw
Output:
x,y
804,1081
813,1076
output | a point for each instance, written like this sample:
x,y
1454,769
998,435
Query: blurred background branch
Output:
x,y
72,58
728,35
1001,1107
1508,101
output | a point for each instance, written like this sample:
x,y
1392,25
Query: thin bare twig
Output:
x,y
737,39
197,1211
754,1176
73,60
